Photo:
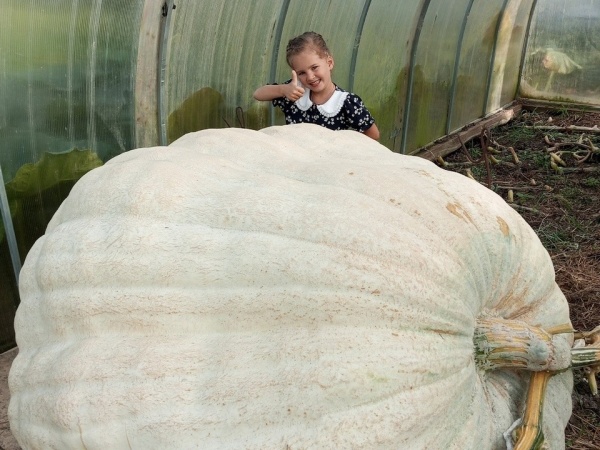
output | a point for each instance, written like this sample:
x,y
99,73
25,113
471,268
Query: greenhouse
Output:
x,y
83,82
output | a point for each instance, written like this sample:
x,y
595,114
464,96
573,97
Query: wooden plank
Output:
x,y
147,123
451,143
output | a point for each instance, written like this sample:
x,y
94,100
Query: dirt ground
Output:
x,y
7,441
559,198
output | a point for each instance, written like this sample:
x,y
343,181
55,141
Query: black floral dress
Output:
x,y
343,111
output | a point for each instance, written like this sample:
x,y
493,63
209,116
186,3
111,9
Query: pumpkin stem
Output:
x,y
529,434
503,343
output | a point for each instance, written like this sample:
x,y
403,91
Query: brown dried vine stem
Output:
x,y
484,139
466,152
586,353
580,156
240,117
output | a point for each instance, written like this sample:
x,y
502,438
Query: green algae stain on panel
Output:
x,y
38,189
257,116
50,170
201,110
389,113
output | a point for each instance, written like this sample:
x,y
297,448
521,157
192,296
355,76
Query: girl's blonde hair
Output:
x,y
307,40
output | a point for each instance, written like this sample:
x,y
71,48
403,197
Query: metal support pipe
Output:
x,y
276,45
167,14
525,45
411,72
9,230
461,38
359,30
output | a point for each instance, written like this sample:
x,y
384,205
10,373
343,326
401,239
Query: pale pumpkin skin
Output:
x,y
289,288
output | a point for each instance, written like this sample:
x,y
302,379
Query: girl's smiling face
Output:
x,y
313,70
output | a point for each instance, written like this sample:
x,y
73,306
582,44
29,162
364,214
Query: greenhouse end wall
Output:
x,y
85,80
562,59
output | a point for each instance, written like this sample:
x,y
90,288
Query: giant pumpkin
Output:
x,y
289,288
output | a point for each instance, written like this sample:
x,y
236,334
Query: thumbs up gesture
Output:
x,y
293,90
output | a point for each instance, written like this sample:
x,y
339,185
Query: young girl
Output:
x,y
311,96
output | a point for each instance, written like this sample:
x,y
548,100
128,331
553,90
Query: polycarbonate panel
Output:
x,y
433,72
563,53
66,78
66,101
383,64
474,65
218,53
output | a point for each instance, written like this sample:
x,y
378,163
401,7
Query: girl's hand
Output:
x,y
293,91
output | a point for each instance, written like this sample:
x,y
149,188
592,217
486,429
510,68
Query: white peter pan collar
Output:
x,y
330,108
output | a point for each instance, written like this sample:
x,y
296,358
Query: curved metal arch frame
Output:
x,y
276,46
454,82
165,27
525,45
411,71
359,31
